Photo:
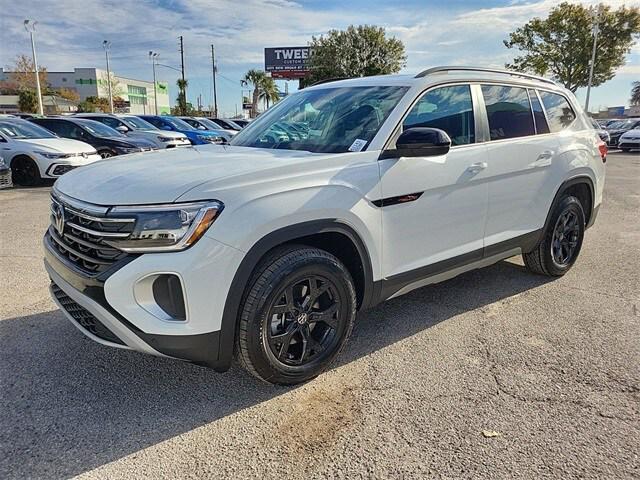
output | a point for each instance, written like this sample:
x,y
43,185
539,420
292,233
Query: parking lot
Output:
x,y
497,373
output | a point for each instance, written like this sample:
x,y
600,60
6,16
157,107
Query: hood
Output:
x,y
162,177
166,133
61,145
635,133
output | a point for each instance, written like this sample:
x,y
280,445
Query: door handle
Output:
x,y
547,154
477,167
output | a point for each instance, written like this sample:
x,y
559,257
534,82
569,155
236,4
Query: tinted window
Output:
x,y
109,121
559,112
154,121
538,113
508,112
447,108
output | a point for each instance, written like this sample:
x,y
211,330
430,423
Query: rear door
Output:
x,y
521,151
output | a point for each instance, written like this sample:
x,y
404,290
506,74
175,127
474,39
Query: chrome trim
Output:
x,y
68,201
98,234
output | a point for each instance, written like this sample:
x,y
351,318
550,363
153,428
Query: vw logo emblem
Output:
x,y
58,218
302,318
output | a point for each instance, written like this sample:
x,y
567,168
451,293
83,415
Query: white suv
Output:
x,y
135,127
34,153
341,196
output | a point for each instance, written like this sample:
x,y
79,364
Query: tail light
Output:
x,y
602,147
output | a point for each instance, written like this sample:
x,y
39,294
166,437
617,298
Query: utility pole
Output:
x,y
154,56
596,29
184,88
215,93
107,45
30,27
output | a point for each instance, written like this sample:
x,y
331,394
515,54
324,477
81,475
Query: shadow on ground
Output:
x,y
69,405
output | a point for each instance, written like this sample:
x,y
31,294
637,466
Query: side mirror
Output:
x,y
420,142
166,127
200,127
122,129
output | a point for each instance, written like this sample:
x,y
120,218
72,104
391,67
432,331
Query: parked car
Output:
x,y
34,153
602,133
174,124
228,124
267,247
107,141
616,129
630,140
200,123
5,175
135,127
241,122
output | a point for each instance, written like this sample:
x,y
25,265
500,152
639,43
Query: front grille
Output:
x,y
80,237
629,145
84,317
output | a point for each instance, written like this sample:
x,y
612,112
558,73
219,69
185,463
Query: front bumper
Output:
x,y
107,301
56,168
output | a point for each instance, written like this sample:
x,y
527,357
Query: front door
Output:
x,y
434,208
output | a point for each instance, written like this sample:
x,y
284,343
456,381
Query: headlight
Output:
x,y
166,139
52,155
161,228
129,149
3,164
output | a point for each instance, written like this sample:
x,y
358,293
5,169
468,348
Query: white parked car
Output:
x,y
341,196
630,140
136,127
34,153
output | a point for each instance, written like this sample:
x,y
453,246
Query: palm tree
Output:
x,y
257,79
269,91
182,95
635,94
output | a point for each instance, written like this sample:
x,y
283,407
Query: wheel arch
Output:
x,y
583,189
332,235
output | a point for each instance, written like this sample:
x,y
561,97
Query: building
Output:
x,y
138,95
51,104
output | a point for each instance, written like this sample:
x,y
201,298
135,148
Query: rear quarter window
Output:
x,y
560,115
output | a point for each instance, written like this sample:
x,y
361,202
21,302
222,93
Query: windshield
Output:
x,y
21,129
210,124
99,129
137,123
625,123
178,124
327,120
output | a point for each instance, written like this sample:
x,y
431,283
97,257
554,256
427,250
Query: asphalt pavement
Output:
x,y
497,373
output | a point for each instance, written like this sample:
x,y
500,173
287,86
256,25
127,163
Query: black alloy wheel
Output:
x,y
302,322
297,313
106,153
25,172
565,238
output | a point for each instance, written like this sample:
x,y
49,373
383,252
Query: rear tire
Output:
x,y
25,172
297,313
560,246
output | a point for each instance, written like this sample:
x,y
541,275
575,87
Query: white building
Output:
x,y
138,95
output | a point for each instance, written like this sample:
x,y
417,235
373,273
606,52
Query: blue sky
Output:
x,y
452,32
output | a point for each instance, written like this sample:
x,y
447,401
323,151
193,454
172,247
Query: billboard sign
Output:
x,y
287,62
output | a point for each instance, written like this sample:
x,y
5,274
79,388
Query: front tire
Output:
x,y
560,246
297,314
25,172
106,153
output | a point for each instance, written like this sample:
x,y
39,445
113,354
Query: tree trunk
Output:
x,y
254,104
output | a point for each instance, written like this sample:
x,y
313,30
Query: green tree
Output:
x,y
561,45
94,104
27,101
269,92
182,96
359,51
256,78
635,94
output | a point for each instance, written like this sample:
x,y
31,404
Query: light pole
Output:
x,y
30,26
596,29
107,45
154,56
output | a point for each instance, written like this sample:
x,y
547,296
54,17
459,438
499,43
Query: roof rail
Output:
x,y
429,71
327,80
